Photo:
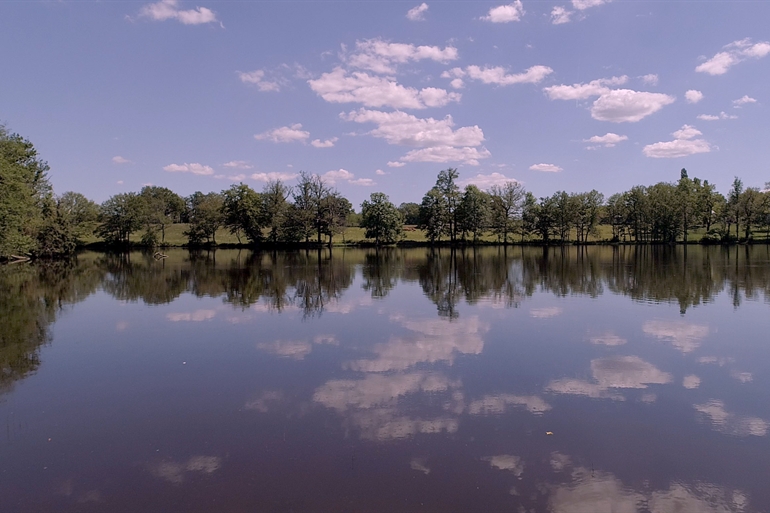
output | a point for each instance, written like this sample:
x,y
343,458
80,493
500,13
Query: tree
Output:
x,y
381,219
587,213
504,207
275,208
687,202
161,207
615,215
205,216
450,192
473,212
733,207
434,215
563,214
24,191
529,214
242,212
707,202
334,214
750,209
118,217
410,212
79,211
306,216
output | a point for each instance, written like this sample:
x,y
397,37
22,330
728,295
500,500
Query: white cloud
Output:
x,y
457,83
285,134
581,5
722,115
176,472
732,423
363,182
442,154
732,54
258,78
693,96
583,91
615,105
560,15
196,316
498,404
328,143
194,168
546,312
396,164
273,176
120,160
238,164
119,182
684,144
608,339
407,130
338,86
169,10
684,336
233,178
487,181
745,100
626,105
546,168
430,340
382,56
417,13
505,13
692,381
380,172
333,176
651,79
498,75
507,462
607,140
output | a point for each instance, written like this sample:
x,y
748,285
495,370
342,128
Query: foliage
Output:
x,y
243,213
505,205
160,208
473,212
381,219
119,216
205,213
410,212
24,191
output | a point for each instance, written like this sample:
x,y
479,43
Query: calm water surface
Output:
x,y
523,380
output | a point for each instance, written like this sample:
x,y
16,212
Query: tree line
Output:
x,y
36,222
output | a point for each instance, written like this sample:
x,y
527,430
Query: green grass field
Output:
x,y
355,235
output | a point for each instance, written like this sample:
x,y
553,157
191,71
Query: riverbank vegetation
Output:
x,y
34,221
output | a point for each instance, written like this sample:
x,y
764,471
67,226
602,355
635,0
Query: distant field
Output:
x,y
354,235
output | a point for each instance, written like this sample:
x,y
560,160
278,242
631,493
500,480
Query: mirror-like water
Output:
x,y
567,380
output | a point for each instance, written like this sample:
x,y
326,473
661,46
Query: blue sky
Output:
x,y
380,96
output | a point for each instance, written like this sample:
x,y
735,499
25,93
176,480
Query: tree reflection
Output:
x,y
31,298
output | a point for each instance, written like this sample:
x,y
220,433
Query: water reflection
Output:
x,y
518,379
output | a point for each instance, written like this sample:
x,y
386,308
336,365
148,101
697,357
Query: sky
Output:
x,y
379,96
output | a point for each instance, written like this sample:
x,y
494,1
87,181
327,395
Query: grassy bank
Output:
x,y
355,236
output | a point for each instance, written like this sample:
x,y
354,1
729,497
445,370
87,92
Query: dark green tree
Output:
x,y
242,212
160,208
275,207
24,193
410,212
381,219
119,216
504,208
473,212
205,216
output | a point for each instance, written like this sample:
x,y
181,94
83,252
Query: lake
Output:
x,y
521,379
